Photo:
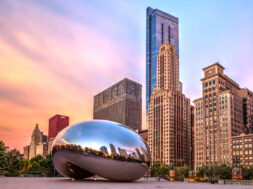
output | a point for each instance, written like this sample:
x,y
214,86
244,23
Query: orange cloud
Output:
x,y
52,65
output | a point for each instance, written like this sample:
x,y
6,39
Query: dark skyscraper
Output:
x,y
160,28
120,103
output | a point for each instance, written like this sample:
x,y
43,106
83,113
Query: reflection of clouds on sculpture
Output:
x,y
103,148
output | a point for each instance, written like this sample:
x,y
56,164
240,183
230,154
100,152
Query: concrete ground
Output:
x,y
64,183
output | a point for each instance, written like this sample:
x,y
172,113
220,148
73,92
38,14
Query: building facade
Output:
x,y
56,124
26,152
42,149
121,103
36,138
49,146
169,113
192,138
218,116
247,96
160,28
242,150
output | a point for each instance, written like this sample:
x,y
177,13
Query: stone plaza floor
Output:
x,y
64,183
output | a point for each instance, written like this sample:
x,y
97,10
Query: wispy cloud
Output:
x,y
56,55
52,62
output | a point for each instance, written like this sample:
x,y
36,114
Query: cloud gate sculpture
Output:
x,y
104,148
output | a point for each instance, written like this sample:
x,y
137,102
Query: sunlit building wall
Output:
x,y
169,114
218,116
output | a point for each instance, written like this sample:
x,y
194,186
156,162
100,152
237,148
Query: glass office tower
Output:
x,y
160,28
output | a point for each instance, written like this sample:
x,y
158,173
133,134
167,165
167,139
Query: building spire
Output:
x,y
36,129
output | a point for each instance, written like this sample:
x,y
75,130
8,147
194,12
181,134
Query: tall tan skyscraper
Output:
x,y
169,114
218,116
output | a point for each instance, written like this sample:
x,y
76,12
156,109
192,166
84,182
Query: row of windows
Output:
x,y
246,152
223,96
210,95
199,103
210,83
210,100
239,146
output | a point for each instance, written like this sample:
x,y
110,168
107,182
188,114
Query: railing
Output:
x,y
238,182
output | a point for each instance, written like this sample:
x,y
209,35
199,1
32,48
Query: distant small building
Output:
x,y
42,149
38,144
36,138
49,145
26,152
242,150
56,124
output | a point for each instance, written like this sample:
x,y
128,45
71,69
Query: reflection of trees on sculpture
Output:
x,y
122,156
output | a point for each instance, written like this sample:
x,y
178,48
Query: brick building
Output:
x,y
169,113
242,150
218,116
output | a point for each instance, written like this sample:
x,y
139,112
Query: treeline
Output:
x,y
223,172
214,172
159,170
12,163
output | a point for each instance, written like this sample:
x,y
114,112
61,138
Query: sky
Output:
x,y
56,55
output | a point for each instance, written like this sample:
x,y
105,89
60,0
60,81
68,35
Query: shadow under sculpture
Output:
x,y
99,147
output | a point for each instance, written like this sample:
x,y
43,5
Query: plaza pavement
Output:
x,y
65,183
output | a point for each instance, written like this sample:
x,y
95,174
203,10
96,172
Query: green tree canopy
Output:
x,y
3,158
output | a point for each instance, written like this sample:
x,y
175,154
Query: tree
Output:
x,y
225,172
159,170
37,158
201,172
24,163
216,171
163,171
247,173
35,168
3,158
48,166
221,172
154,171
14,163
182,172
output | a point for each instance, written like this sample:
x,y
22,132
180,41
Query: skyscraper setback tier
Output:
x,y
56,124
169,114
120,103
219,115
160,28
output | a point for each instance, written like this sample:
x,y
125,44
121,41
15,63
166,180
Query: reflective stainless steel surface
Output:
x,y
99,147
